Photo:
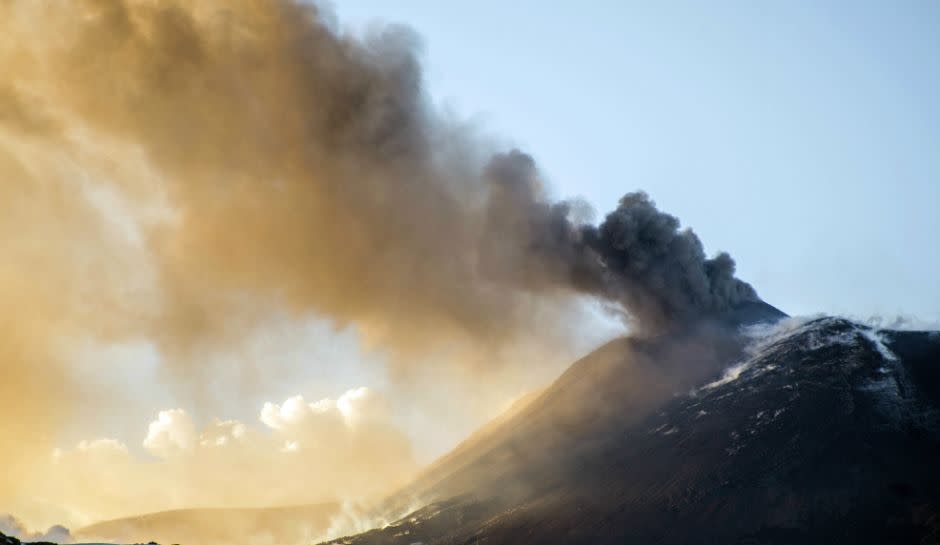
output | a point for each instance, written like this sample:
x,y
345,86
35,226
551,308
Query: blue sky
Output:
x,y
799,136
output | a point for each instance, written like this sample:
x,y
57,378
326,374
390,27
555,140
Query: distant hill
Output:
x,y
274,525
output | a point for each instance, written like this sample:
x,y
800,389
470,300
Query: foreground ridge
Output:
x,y
822,431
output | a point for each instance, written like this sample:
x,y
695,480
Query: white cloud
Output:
x,y
223,433
299,452
361,404
299,421
171,433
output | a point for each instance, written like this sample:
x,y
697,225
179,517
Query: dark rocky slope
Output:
x,y
824,433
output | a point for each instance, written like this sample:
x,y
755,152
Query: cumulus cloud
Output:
x,y
351,410
297,452
173,431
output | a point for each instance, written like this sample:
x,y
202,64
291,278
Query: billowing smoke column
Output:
x,y
637,257
661,274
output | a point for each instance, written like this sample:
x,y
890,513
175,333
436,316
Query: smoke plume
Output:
x,y
637,257
305,165
180,171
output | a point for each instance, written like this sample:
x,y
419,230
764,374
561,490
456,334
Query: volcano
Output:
x,y
752,428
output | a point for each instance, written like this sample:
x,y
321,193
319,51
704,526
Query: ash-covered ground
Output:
x,y
806,431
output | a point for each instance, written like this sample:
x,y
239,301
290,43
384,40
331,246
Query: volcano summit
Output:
x,y
816,431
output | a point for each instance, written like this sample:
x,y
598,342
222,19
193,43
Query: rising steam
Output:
x,y
178,171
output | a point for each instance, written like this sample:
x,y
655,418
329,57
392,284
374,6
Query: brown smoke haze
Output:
x,y
181,171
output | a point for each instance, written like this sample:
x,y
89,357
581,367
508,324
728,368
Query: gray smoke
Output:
x,y
307,169
638,257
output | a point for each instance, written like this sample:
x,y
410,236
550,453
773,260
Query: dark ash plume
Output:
x,y
660,273
638,257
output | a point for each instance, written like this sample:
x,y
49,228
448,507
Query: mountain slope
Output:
x,y
609,388
295,524
827,433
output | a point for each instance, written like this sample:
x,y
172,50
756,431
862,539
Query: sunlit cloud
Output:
x,y
297,452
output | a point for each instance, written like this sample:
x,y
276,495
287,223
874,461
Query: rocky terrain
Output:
x,y
820,431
